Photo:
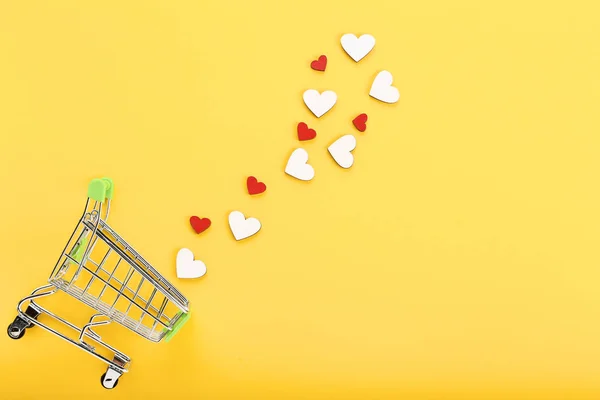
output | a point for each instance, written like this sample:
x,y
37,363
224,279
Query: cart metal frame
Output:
x,y
100,269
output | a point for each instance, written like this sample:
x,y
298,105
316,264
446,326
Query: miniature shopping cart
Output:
x,y
99,268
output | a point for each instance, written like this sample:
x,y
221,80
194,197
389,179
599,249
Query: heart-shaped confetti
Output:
x,y
305,133
199,224
254,186
360,122
241,227
298,167
357,48
382,88
341,149
320,64
319,103
187,267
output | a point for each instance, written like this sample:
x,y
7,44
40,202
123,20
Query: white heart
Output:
x,y
319,103
298,167
382,88
341,149
357,48
241,227
187,267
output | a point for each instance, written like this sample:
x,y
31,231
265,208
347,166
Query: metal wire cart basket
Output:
x,y
100,269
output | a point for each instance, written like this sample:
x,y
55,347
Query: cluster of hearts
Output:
x,y
320,103
297,166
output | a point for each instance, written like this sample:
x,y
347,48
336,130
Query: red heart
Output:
x,y
304,133
360,122
254,186
320,64
199,224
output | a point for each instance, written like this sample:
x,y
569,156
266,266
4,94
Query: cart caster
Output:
x,y
110,379
16,330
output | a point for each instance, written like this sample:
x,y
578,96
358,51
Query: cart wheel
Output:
x,y
15,332
108,383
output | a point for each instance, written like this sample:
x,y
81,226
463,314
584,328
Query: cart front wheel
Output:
x,y
15,331
108,383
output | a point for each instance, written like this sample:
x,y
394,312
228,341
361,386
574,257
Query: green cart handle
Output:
x,y
101,189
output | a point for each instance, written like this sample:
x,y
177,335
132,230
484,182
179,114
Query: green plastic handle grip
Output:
x,y
184,317
101,189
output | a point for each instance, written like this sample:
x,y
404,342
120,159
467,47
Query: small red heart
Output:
x,y
320,64
360,122
199,224
254,186
304,133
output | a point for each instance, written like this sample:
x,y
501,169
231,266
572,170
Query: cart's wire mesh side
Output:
x,y
121,246
116,285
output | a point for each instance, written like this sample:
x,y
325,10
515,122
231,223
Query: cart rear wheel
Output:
x,y
15,332
108,384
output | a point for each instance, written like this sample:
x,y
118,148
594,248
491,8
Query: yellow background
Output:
x,y
457,259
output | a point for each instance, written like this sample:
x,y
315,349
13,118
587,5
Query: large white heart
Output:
x,y
298,167
382,88
187,267
357,48
319,103
341,149
241,227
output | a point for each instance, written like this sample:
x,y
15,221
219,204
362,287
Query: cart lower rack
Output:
x,y
100,269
